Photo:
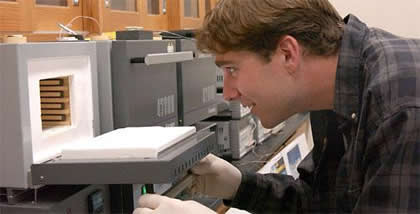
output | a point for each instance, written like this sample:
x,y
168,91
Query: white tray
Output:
x,y
138,142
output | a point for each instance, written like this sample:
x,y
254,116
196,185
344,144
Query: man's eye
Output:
x,y
230,70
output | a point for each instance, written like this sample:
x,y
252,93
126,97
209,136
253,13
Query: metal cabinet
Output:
x,y
112,15
51,98
144,87
196,85
14,16
185,14
154,14
116,15
47,13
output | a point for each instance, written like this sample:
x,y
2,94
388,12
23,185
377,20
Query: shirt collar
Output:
x,y
348,84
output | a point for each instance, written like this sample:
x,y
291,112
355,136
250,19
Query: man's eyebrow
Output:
x,y
220,63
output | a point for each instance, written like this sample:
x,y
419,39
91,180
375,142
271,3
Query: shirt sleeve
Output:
x,y
275,193
391,183
272,193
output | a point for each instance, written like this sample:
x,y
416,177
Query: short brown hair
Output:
x,y
258,25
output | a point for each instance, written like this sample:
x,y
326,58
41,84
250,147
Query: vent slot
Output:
x,y
55,102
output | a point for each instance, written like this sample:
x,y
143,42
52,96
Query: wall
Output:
x,y
399,17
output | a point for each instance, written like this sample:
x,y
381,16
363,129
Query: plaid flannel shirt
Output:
x,y
366,157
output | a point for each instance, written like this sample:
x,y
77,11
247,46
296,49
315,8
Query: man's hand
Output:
x,y
152,203
216,177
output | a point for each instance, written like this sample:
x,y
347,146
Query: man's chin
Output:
x,y
269,124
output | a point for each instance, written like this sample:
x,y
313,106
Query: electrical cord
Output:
x,y
74,19
178,36
250,162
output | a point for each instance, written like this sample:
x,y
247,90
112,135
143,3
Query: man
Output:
x,y
281,57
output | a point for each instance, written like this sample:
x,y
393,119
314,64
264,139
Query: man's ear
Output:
x,y
290,51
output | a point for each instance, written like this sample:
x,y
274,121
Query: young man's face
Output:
x,y
266,87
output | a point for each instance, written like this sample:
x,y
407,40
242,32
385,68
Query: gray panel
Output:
x,y
11,141
198,79
235,129
134,35
200,114
166,168
142,95
222,136
198,85
168,123
16,139
186,45
66,49
59,199
103,50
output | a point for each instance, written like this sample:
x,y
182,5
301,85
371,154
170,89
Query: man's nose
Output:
x,y
230,91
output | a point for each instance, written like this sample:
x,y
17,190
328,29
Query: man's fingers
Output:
x,y
205,165
151,201
143,211
198,185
